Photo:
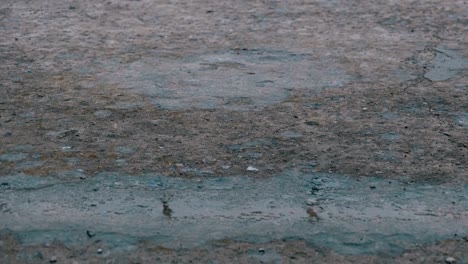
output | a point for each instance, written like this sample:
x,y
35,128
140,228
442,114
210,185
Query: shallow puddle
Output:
x,y
231,79
346,214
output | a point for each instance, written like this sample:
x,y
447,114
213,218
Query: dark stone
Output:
x,y
90,233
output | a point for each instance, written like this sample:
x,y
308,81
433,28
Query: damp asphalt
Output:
x,y
349,215
233,131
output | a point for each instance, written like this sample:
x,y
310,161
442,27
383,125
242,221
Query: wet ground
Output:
x,y
233,131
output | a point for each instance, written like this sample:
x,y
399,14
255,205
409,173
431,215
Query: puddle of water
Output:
x,y
13,157
391,136
242,79
390,115
462,120
29,165
124,150
446,65
354,216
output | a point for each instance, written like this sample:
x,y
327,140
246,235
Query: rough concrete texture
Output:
x,y
127,127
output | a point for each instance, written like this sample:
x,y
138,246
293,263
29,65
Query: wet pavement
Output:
x,y
349,215
233,132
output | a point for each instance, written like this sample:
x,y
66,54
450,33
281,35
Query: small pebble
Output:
x,y
261,250
450,260
53,259
252,169
312,213
90,233
311,202
99,250
102,113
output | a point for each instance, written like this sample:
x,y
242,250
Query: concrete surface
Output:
x,y
127,128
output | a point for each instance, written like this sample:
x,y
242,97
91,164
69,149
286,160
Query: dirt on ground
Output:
x,y
285,251
226,95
